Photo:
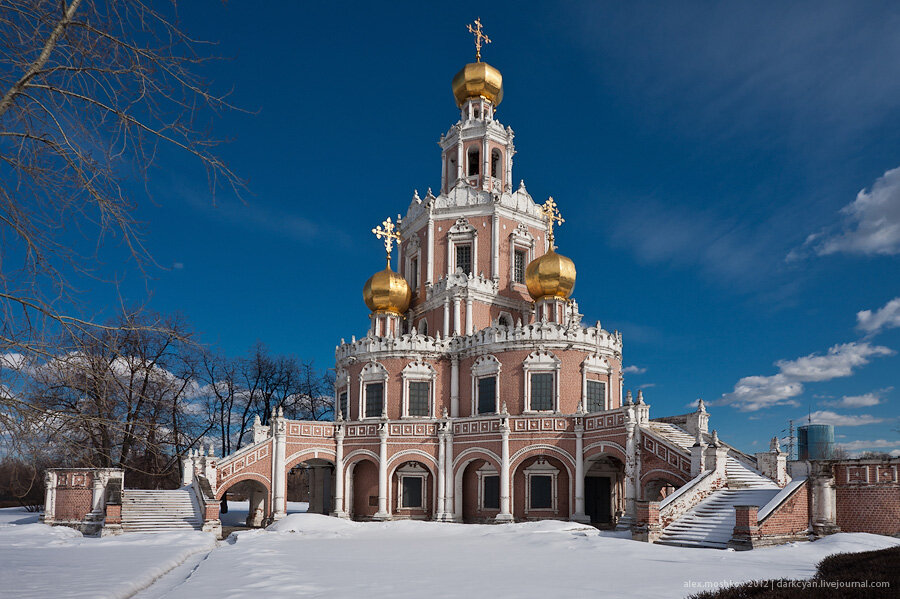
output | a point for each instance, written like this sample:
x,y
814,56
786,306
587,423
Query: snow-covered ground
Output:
x,y
307,555
237,511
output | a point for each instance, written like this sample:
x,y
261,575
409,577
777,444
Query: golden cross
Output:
x,y
480,38
552,216
388,231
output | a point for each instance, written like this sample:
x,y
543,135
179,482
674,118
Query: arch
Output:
x,y
548,460
228,483
431,467
308,454
660,474
496,163
473,161
486,455
411,452
603,447
362,476
534,450
351,457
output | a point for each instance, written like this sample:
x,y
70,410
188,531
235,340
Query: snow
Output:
x,y
41,561
308,555
237,511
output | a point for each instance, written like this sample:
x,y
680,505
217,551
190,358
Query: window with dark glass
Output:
x,y
491,492
596,396
542,391
473,158
412,492
342,404
541,492
464,258
414,274
519,266
374,399
418,398
495,163
487,395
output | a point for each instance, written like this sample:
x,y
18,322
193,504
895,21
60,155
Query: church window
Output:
x,y
490,494
495,163
342,404
541,492
411,492
542,384
596,396
419,394
414,273
519,266
473,157
464,258
487,395
374,399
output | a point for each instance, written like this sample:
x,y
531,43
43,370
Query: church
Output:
x,y
478,395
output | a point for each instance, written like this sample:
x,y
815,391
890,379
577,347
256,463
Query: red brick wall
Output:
x,y
791,517
562,491
365,485
867,496
72,503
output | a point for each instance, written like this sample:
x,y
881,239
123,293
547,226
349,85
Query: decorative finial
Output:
x,y
552,216
628,400
715,438
388,231
480,38
280,412
701,407
580,410
444,413
774,446
503,410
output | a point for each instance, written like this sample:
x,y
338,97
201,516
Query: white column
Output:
x,y
457,317
495,242
505,515
429,277
485,162
339,472
49,497
446,317
441,478
97,493
454,386
187,469
579,514
630,471
383,513
470,327
278,466
459,156
450,485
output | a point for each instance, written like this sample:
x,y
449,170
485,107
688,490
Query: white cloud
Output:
x,y
886,317
753,393
634,370
828,417
859,401
877,444
646,386
871,222
12,360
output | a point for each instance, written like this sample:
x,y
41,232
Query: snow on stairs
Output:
x,y
159,511
711,522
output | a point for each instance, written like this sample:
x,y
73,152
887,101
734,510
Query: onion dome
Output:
x,y
478,80
551,275
387,291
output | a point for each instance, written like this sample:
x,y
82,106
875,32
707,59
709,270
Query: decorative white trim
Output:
x,y
541,361
421,372
542,468
373,372
485,366
461,233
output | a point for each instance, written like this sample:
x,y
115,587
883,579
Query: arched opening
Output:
x,y
472,160
310,487
244,504
658,489
540,489
477,491
412,494
604,489
363,489
505,320
423,327
496,157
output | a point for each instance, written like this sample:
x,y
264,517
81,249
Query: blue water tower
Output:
x,y
816,442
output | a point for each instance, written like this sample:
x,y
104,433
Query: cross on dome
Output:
x,y
388,231
480,38
552,216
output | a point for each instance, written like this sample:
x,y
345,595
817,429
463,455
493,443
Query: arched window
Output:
x,y
473,157
495,163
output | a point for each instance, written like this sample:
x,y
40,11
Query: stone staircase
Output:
x,y
711,522
159,511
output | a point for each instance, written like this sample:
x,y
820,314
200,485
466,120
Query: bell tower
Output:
x,y
477,151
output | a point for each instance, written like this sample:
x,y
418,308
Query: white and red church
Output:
x,y
479,395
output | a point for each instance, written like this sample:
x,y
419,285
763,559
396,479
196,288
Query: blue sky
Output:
x,y
707,156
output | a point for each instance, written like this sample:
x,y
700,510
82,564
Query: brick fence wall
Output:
x,y
867,494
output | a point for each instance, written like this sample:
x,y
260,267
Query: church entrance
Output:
x,y
597,496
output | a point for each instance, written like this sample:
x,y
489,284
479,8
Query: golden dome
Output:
x,y
387,291
551,275
478,80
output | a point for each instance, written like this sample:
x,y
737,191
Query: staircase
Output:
x,y
159,511
711,522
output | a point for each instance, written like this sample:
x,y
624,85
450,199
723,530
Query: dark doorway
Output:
x,y
597,499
